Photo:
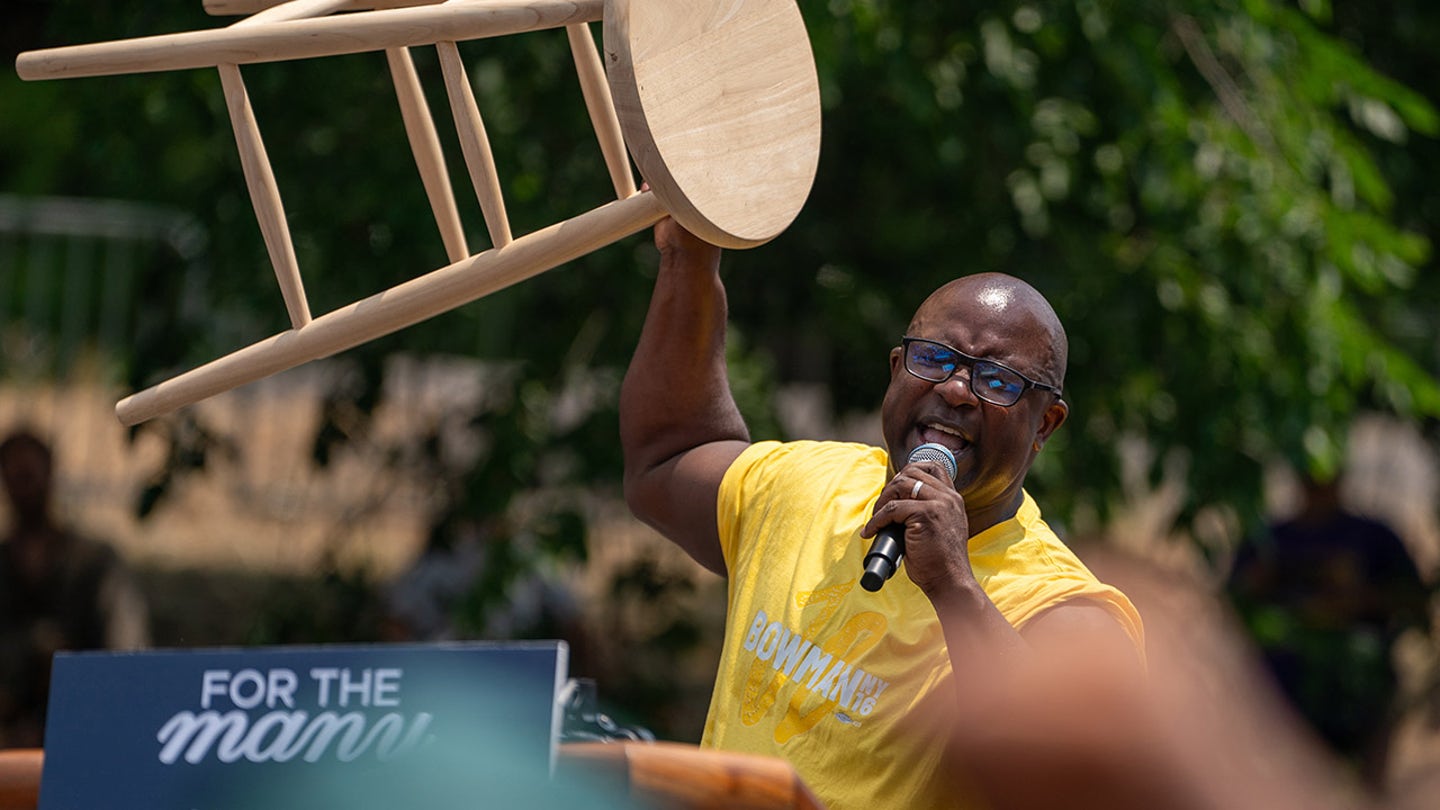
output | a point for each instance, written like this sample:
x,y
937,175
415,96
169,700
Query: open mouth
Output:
x,y
945,435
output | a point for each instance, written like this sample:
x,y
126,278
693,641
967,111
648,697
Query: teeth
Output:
x,y
949,431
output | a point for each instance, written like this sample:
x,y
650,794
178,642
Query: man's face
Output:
x,y
993,445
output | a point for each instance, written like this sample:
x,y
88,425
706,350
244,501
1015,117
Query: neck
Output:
x,y
991,515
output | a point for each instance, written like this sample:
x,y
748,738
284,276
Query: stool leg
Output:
x,y
601,107
264,195
401,306
425,143
474,143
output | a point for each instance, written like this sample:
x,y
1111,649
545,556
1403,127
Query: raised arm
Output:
x,y
679,426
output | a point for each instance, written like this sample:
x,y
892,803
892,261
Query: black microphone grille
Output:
x,y
935,452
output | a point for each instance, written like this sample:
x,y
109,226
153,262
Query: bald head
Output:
x,y
1003,305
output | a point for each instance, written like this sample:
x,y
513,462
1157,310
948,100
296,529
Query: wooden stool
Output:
x,y
717,102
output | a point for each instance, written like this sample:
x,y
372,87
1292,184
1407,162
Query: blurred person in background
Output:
x,y
1325,594
59,591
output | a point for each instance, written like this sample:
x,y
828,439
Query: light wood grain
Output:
x,y
474,143
601,107
305,39
676,776
720,105
264,195
400,306
295,10
20,778
255,163
717,101
429,157
241,8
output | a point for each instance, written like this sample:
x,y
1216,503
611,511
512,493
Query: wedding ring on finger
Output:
x,y
915,490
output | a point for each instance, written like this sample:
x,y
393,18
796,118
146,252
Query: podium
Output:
x,y
685,777
431,727
661,775
20,778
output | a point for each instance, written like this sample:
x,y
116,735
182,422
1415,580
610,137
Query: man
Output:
x,y
58,591
854,688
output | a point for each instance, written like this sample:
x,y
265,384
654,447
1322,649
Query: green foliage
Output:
x,y
1224,200
1196,186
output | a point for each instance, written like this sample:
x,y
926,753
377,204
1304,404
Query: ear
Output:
x,y
897,361
1050,421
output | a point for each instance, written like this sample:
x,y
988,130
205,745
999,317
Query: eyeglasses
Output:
x,y
992,382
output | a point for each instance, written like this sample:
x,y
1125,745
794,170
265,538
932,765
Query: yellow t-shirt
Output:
x,y
853,687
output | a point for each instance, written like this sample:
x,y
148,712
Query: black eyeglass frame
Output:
x,y
969,362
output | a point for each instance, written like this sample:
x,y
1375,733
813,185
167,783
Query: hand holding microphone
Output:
x,y
888,547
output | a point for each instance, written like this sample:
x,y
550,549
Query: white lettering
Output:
x,y
281,687
869,685
324,675
418,727
279,736
360,687
288,726
753,637
248,688
199,732
386,733
815,663
387,687
212,683
771,640
326,726
238,689
848,686
804,663
827,684
790,653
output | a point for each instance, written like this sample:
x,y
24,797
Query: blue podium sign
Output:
x,y
385,726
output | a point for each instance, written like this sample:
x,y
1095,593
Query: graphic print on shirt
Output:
x,y
820,670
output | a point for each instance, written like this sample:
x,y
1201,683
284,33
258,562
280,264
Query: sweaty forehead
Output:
x,y
996,297
982,304
994,315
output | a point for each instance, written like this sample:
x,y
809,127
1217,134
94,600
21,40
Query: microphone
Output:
x,y
889,544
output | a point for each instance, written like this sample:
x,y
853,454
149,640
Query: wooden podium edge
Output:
x,y
20,778
677,775
659,774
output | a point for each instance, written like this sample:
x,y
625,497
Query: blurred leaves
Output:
x,y
1199,187
1231,208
